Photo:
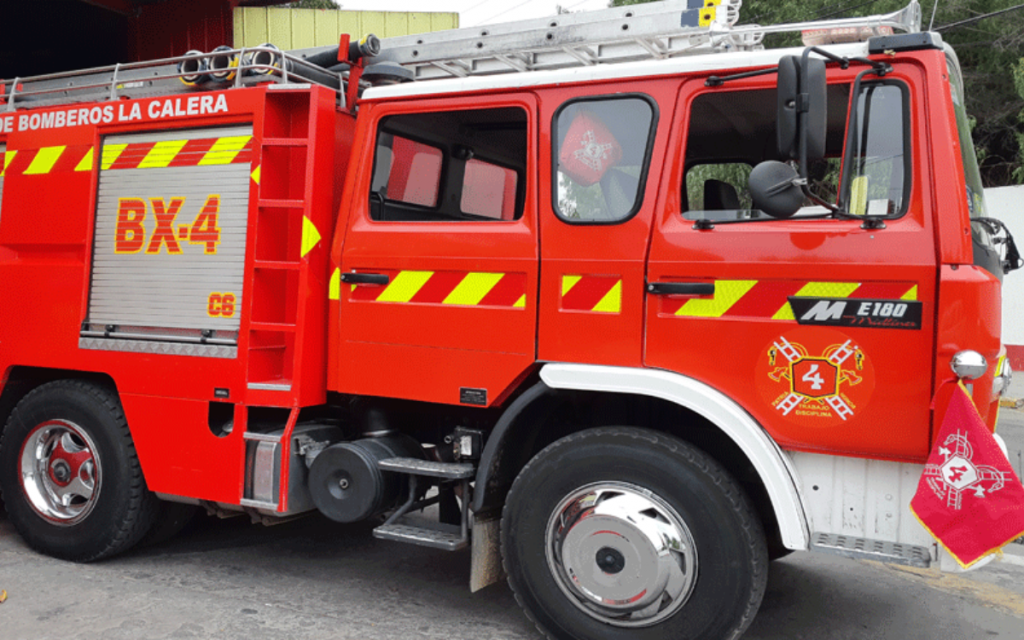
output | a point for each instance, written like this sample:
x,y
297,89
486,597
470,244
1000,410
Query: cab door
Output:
x,y
599,195
821,328
438,285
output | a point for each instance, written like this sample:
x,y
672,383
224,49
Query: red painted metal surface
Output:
x,y
414,345
46,250
303,332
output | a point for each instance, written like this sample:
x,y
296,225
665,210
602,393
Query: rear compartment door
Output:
x,y
170,241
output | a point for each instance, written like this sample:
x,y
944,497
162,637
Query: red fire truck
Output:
x,y
631,302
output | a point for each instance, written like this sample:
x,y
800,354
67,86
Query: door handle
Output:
x,y
681,288
365,278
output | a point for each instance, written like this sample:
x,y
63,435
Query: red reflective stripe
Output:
x,y
437,288
132,155
585,295
70,158
765,298
881,290
507,292
246,154
192,152
21,161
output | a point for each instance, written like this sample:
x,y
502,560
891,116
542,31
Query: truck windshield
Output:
x,y
875,176
972,175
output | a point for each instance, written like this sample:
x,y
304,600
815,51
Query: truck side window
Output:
x,y
602,155
876,177
407,171
729,133
450,166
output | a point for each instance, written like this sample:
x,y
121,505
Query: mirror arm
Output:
x,y
717,81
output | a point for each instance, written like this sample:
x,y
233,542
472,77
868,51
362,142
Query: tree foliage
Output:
x,y
312,4
991,53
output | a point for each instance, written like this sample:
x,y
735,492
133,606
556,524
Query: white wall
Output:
x,y
1007,204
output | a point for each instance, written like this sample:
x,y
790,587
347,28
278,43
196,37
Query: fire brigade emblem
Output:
x,y
959,475
593,154
819,378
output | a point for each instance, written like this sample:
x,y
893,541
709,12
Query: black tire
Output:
x,y
730,566
171,519
115,513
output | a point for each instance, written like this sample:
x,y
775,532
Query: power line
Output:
x,y
481,3
512,8
977,18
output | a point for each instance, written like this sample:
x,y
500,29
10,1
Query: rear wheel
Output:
x,y
631,534
70,478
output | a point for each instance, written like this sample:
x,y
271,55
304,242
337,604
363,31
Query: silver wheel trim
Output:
x,y
60,472
621,554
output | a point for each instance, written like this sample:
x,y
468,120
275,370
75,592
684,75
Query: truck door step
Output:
x,y
866,549
415,466
423,533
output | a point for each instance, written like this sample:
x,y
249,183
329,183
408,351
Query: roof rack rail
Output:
x,y
622,34
250,65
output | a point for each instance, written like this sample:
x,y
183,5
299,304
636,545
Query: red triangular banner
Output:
x,y
969,497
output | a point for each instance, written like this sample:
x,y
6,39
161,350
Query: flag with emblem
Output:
x,y
969,497
589,150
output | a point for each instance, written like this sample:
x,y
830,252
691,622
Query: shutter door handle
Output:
x,y
681,288
365,278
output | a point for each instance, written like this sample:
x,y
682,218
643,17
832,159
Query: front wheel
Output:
x,y
70,477
631,534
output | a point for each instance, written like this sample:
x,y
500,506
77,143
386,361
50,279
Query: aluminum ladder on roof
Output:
x,y
656,30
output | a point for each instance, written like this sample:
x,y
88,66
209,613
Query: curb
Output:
x,y
1012,403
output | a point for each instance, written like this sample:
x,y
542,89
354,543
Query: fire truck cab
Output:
x,y
634,314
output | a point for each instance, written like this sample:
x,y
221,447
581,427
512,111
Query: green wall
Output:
x,y
302,28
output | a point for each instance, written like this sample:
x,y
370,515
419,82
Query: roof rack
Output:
x,y
252,65
657,30
622,34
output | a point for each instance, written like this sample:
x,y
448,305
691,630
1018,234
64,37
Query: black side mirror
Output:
x,y
802,108
774,189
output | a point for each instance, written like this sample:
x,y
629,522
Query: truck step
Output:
x,y
866,549
424,534
415,466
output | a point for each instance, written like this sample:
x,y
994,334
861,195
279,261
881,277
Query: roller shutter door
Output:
x,y
169,246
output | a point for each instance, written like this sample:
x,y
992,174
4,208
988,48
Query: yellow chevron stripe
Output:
x,y
910,295
85,164
568,282
405,285
727,293
224,150
334,287
473,288
256,175
111,152
612,301
521,302
817,290
44,160
8,159
310,236
162,153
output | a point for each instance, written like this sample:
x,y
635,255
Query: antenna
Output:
x,y
932,22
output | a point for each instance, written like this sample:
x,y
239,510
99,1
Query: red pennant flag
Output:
x,y
969,497
589,150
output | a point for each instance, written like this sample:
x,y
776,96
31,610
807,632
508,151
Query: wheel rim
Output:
x,y
60,472
621,554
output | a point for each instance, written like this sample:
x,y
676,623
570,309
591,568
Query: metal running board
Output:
x,y
865,549
415,466
425,534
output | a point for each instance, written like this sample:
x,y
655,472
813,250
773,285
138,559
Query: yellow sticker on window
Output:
x,y
859,195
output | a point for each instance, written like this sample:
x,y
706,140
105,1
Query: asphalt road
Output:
x,y
313,579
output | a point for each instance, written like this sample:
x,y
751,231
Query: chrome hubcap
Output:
x,y
60,472
621,554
